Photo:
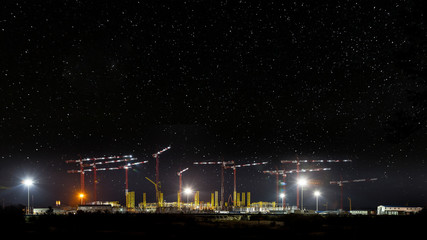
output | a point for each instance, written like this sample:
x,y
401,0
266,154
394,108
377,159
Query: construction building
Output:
x,y
130,200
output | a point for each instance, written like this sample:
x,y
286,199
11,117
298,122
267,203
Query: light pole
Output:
x,y
28,182
187,192
302,182
317,194
282,196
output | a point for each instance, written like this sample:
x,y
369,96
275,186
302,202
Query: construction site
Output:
x,y
189,201
228,211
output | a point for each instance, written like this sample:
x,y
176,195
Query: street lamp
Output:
x,y
28,183
81,196
282,196
187,191
302,182
317,194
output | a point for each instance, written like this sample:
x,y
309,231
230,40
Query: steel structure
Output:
x,y
341,182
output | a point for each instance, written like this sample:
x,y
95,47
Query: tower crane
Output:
x,y
284,173
341,182
229,165
156,156
223,164
234,167
180,185
95,161
126,167
298,161
156,187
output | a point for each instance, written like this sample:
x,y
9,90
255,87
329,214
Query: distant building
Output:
x,y
397,210
361,212
114,204
95,208
41,211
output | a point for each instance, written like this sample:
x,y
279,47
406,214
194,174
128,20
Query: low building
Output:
x,y
114,204
95,208
42,211
397,210
362,212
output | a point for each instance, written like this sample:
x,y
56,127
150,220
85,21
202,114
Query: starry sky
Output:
x,y
234,80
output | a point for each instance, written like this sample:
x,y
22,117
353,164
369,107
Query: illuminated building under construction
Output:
x,y
243,204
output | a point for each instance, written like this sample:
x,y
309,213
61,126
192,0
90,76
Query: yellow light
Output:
x,y
81,195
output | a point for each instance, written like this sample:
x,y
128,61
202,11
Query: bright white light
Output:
x,y
188,190
282,195
316,193
28,182
302,182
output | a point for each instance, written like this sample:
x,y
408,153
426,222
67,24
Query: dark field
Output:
x,y
212,226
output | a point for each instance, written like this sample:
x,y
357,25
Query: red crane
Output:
x,y
126,167
342,182
229,165
156,156
81,161
223,164
299,161
234,166
180,185
93,165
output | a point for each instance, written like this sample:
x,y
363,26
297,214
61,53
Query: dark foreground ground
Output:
x,y
213,226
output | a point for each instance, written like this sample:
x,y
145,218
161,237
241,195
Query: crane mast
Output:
x,y
156,156
180,185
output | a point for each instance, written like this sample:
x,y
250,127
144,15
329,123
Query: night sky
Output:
x,y
234,80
